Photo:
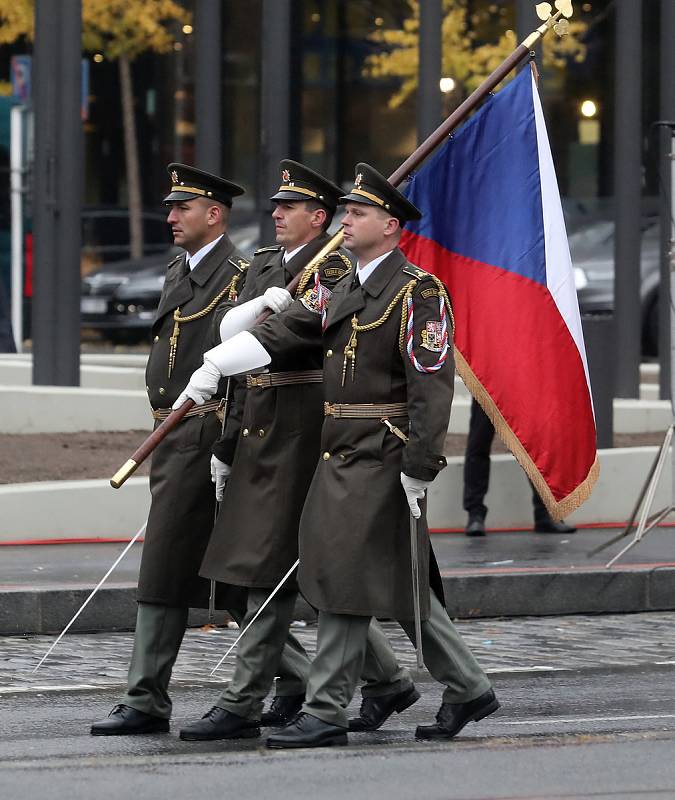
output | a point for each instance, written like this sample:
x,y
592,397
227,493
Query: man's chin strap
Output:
x,y
240,354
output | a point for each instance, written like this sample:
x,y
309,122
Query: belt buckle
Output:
x,y
328,409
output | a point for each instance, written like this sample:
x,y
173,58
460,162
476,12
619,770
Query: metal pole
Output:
x,y
275,101
17,160
208,85
627,192
668,289
58,193
45,102
667,112
430,66
70,154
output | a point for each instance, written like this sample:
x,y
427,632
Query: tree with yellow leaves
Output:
x,y
464,58
120,30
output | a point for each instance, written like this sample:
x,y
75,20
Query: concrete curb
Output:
x,y
66,409
537,593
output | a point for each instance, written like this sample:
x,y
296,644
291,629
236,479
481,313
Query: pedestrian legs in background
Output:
x,y
477,480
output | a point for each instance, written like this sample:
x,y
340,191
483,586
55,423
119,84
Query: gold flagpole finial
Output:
x,y
557,21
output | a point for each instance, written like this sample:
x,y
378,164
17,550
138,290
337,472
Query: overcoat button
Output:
x,y
261,433
329,353
156,338
326,456
244,432
162,390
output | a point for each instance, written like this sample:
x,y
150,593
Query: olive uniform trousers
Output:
x,y
341,647
159,634
260,649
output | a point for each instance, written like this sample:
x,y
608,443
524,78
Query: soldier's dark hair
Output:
x,y
315,205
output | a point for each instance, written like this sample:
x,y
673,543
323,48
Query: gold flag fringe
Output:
x,y
556,508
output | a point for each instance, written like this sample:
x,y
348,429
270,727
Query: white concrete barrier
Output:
x,y
509,500
57,409
72,509
81,509
92,376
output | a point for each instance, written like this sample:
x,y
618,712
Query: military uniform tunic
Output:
x,y
274,433
183,502
354,531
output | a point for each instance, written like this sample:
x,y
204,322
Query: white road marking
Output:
x,y
571,720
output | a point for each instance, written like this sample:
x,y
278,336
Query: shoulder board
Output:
x,y
240,263
273,248
416,272
336,265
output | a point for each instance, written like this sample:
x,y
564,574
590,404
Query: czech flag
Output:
x,y
493,231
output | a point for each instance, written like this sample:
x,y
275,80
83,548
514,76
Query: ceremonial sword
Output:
x,y
91,595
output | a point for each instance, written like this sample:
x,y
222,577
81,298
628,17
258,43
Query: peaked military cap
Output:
x,y
299,182
374,189
189,182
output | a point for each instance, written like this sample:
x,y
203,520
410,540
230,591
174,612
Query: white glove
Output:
x,y
220,472
414,490
243,317
203,384
277,299
240,354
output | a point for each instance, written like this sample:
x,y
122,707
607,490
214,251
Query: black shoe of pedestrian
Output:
x,y
126,721
308,731
375,711
551,526
283,709
475,526
452,717
220,724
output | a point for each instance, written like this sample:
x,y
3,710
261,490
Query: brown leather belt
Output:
x,y
268,379
365,410
210,407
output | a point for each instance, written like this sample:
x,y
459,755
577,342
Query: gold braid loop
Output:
x,y
178,320
350,349
404,310
309,271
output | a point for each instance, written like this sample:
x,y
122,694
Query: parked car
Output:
x,y
120,299
592,249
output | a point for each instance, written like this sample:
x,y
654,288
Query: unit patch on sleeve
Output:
x,y
432,336
315,299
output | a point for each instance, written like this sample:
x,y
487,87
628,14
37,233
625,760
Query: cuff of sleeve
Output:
x,y
423,466
224,449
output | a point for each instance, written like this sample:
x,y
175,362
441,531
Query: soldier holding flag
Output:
x,y
388,391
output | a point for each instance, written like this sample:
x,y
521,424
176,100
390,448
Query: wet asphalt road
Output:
x,y
590,733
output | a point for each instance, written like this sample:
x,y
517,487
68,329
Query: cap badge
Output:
x,y
357,181
286,176
174,176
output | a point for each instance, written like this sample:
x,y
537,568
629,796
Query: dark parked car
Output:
x,y
592,249
121,299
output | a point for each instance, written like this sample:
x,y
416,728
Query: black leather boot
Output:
x,y
308,731
282,710
475,525
126,721
452,717
220,724
375,711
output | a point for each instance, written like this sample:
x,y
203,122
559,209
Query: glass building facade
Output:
x,y
340,114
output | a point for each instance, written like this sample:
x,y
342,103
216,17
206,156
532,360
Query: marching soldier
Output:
x,y
388,385
264,464
182,510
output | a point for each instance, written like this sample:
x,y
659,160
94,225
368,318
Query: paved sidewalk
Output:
x,y
503,574
502,646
